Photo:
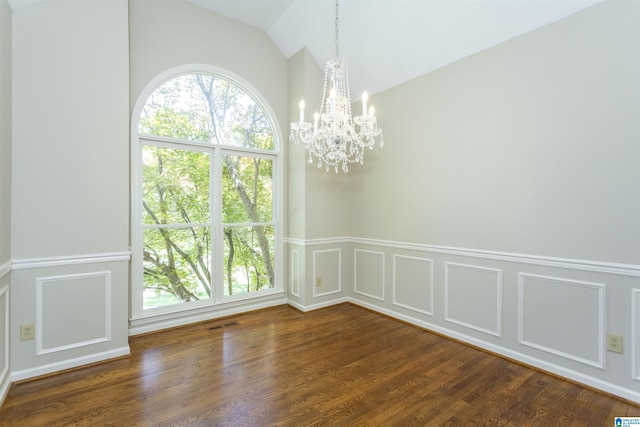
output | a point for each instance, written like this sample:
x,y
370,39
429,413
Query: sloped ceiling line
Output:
x,y
387,42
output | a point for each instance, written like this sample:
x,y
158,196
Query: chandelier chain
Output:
x,y
337,28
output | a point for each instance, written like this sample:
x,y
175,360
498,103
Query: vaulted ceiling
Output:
x,y
387,42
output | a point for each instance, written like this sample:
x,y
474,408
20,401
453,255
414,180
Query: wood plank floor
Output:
x,y
339,366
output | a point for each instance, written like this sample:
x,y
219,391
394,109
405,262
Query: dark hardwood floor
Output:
x,y
339,366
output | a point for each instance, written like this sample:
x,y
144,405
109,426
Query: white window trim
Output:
x,y
216,150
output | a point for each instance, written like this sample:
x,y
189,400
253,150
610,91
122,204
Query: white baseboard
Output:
x,y
68,364
306,308
5,384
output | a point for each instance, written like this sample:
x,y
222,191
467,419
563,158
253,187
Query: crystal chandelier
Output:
x,y
336,138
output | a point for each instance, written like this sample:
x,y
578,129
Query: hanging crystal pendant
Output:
x,y
336,138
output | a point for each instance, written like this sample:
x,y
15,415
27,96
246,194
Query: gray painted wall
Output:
x,y
503,209
70,185
5,132
169,33
70,132
528,147
5,190
317,202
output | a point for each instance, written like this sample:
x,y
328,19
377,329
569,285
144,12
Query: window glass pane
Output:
x,y
175,186
176,265
248,259
247,189
188,124
206,108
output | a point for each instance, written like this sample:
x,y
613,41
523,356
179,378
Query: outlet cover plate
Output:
x,y
27,332
614,343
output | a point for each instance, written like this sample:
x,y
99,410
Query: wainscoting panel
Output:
x,y
547,312
413,283
368,268
327,272
63,323
294,272
473,297
635,332
544,321
80,309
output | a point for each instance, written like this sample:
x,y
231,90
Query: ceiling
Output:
x,y
387,42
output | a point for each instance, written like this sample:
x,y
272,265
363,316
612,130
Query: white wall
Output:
x,y
70,192
5,191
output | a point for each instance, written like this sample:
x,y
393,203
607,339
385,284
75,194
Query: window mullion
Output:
x,y
217,260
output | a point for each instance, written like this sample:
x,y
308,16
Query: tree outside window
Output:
x,y
207,176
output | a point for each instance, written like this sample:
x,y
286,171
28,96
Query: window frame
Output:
x,y
216,151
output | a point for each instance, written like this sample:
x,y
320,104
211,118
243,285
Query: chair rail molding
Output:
x,y
5,268
546,261
21,264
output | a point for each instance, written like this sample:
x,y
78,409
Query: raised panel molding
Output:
x,y
368,273
64,306
294,272
562,316
635,333
327,265
473,297
416,281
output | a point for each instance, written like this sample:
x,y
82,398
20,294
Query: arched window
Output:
x,y
206,180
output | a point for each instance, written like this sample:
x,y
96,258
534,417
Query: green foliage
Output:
x,y
176,191
175,186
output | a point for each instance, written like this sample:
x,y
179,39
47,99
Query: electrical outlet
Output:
x,y
318,281
614,343
27,332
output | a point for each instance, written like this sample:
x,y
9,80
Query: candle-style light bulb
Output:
x,y
365,98
316,117
301,105
372,111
